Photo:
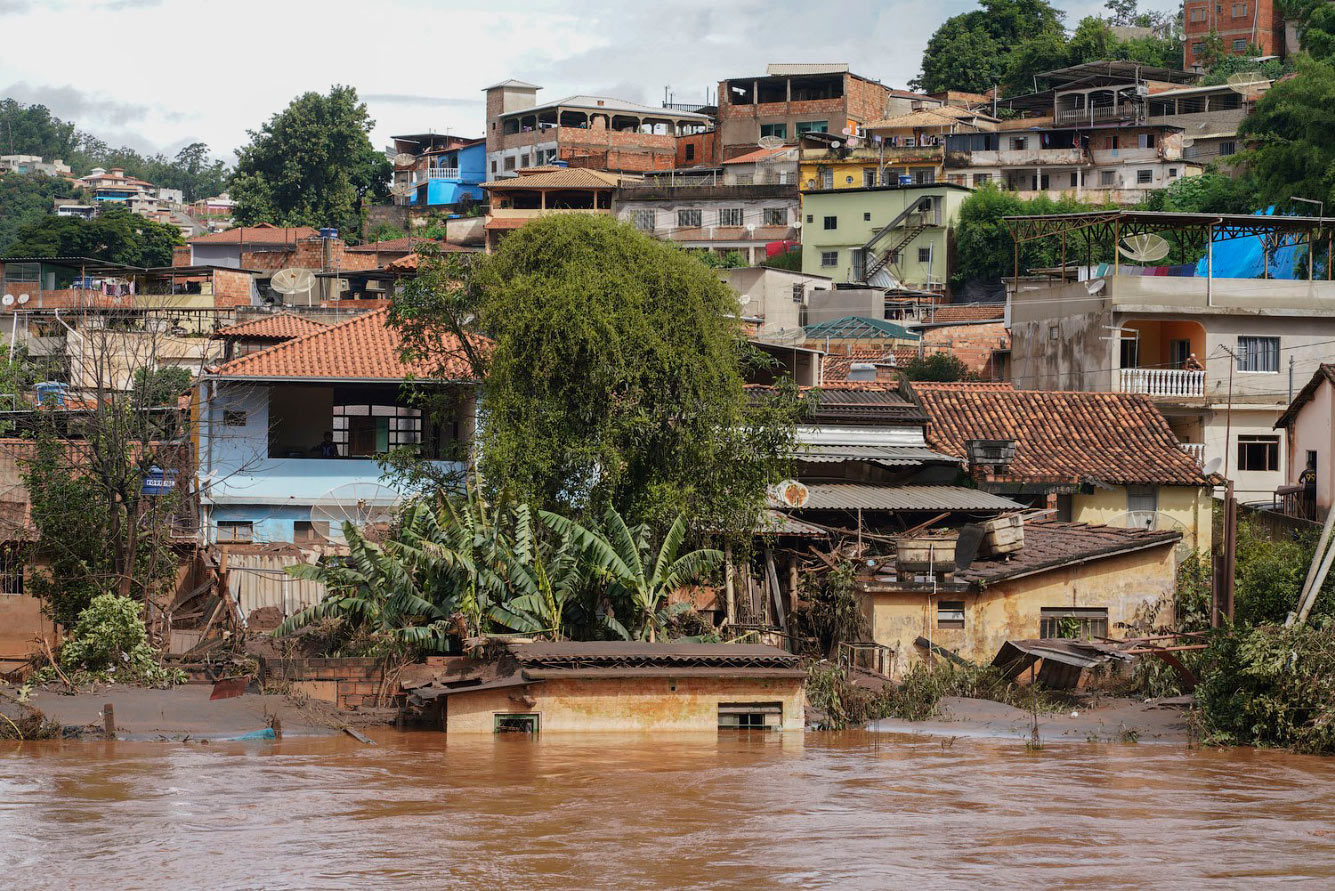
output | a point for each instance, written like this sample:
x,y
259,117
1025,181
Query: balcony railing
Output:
x,y
441,173
1164,382
1095,114
1196,450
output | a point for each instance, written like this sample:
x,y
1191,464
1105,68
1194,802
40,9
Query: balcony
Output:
x,y
1196,450
532,213
450,173
1095,115
1165,383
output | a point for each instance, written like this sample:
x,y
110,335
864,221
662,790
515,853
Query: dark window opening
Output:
x,y
1074,622
527,723
831,222
750,715
950,614
11,568
1259,453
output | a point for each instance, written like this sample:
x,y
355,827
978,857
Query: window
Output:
x,y
1054,333
1142,498
868,177
1258,354
810,218
689,219
1257,452
1172,173
1146,140
924,255
1228,147
866,216
950,614
1240,45
1197,15
1075,179
924,176
730,216
829,258
23,273
779,130
644,220
831,222
1019,143
827,178
1197,49
1106,177
234,417
514,723
236,530
310,531
1073,622
812,127
690,152
981,178
1129,351
1239,10
848,180
510,163
1144,176
750,715
1178,352
1114,141
775,216
493,161
11,568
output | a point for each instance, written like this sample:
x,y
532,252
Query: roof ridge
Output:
x,y
242,361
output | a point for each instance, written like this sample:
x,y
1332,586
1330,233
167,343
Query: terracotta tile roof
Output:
x,y
837,365
405,245
361,348
1049,545
1325,372
563,178
965,312
283,326
264,233
1061,437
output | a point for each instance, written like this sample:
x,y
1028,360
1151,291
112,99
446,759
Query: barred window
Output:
x,y
730,216
689,219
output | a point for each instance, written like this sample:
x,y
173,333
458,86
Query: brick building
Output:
x,y
791,100
596,132
1240,24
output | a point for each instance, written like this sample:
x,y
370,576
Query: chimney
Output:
x,y
989,458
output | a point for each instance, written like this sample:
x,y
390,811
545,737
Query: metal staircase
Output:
x,y
927,218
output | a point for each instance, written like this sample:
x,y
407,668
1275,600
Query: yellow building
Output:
x,y
1068,580
1104,458
568,686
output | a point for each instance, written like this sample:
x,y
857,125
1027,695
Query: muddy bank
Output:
x,y
1108,720
179,713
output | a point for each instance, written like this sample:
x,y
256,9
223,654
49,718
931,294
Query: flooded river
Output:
x,y
727,811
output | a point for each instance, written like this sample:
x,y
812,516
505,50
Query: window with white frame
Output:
x,y
1259,355
1142,499
644,220
689,219
1144,177
1239,10
1258,452
829,258
730,216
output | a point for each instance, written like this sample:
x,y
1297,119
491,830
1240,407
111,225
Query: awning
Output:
x,y
851,496
887,456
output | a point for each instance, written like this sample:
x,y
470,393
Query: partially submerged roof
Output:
x,y
563,178
1324,373
263,233
1050,545
852,496
283,326
363,348
858,328
1061,437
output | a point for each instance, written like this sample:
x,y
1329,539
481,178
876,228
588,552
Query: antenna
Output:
x,y
293,281
7,300
770,143
1248,84
1144,248
364,505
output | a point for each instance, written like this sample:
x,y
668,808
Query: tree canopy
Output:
x,y
1292,130
311,164
26,198
116,235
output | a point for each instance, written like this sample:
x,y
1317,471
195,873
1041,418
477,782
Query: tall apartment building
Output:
x,y
1239,23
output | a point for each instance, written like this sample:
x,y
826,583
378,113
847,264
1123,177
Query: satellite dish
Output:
x,y
24,298
402,190
367,506
1248,84
851,142
834,143
1152,521
847,131
7,300
1144,248
292,281
770,143
1095,288
1212,466
403,159
790,493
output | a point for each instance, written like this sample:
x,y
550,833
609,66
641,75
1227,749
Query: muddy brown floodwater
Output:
x,y
728,811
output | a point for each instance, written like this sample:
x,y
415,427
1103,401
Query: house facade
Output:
x,y
1244,27
287,437
1309,425
719,219
514,201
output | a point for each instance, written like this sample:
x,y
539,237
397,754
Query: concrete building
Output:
x,y
789,101
773,300
225,248
513,201
445,172
889,236
597,132
1309,424
746,219
33,164
1243,27
1254,341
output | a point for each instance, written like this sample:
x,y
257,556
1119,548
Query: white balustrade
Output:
x,y
1165,382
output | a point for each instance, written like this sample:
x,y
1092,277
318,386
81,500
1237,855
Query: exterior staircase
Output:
x,y
926,217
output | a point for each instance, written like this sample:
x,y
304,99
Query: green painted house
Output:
x,y
883,236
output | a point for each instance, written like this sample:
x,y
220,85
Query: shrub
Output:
x,y
109,643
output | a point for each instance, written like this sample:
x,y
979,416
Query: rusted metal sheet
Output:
x,y
229,688
258,580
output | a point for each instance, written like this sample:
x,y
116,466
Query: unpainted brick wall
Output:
x,y
972,344
359,679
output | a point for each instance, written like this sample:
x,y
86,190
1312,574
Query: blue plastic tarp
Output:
x,y
1245,257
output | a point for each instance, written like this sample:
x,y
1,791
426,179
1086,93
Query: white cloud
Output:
x,y
212,72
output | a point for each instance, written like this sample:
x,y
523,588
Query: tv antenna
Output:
x,y
770,143
293,280
1144,248
1247,84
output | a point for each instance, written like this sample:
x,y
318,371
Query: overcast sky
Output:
x,y
160,74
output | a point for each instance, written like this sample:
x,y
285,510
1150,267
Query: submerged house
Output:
x,y
287,437
580,686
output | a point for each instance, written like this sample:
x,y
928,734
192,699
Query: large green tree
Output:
x,y
971,51
1292,130
27,198
312,164
115,235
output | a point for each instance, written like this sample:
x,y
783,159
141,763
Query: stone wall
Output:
x,y
346,682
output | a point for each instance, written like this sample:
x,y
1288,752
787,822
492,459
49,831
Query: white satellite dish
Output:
x,y
293,281
1212,466
403,159
847,131
1152,521
367,506
24,298
1248,84
1144,248
7,300
834,143
770,143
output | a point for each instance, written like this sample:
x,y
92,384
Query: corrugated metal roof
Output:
x,y
786,69
851,496
259,580
773,522
889,456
